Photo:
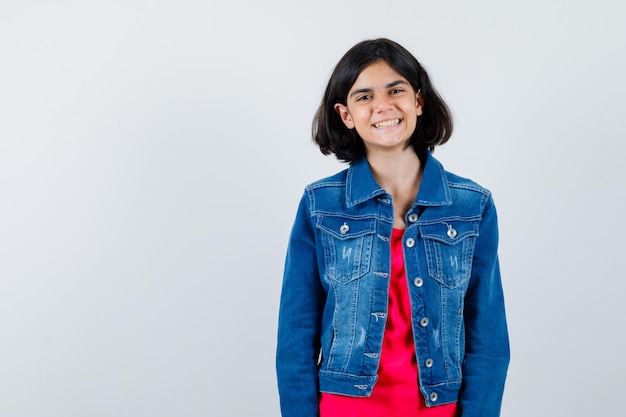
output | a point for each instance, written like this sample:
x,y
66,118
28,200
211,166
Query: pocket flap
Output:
x,y
449,232
345,228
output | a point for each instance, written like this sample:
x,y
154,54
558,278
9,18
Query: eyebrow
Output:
x,y
369,90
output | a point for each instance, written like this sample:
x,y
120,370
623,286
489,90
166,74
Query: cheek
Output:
x,y
362,117
412,124
363,120
363,124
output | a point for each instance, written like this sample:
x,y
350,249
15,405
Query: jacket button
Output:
x,y
412,217
433,396
410,242
344,229
424,322
451,232
418,282
428,363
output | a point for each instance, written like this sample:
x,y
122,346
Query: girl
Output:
x,y
392,302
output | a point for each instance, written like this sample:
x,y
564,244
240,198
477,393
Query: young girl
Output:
x,y
392,302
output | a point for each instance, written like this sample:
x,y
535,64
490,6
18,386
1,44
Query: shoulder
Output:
x,y
461,192
463,183
452,179
326,192
336,180
331,187
469,193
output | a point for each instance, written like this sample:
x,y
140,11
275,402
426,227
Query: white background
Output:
x,y
152,154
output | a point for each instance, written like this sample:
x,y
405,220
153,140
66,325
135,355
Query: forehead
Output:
x,y
376,75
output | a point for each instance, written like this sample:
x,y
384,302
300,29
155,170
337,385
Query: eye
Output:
x,y
364,97
397,91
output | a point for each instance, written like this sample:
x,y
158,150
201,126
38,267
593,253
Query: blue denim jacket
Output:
x,y
334,297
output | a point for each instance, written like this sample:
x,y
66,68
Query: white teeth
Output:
x,y
387,123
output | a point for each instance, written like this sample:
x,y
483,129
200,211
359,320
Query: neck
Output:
x,y
397,173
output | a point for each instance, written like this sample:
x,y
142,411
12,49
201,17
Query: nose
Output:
x,y
382,103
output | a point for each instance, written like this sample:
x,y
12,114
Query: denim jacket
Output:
x,y
334,297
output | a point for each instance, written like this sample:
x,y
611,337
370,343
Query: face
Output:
x,y
382,107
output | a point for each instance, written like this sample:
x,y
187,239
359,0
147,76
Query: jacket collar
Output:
x,y
434,189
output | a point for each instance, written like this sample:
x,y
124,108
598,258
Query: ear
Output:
x,y
420,102
344,114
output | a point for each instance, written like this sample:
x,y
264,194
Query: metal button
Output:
x,y
344,229
418,282
424,322
433,396
451,232
413,217
428,363
410,242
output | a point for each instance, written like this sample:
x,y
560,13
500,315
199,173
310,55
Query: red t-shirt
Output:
x,y
396,393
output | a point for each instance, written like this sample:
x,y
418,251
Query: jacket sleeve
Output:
x,y
299,322
487,351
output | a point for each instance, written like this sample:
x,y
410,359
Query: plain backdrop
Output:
x,y
152,154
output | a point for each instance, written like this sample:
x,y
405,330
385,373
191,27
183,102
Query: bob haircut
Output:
x,y
434,126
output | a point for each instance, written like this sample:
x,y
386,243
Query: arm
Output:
x,y
486,337
299,323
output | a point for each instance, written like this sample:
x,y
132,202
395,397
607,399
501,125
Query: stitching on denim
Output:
x,y
428,222
445,384
348,184
484,201
329,256
333,343
353,299
435,247
311,200
351,345
444,341
471,186
457,358
322,213
445,183
325,184
359,245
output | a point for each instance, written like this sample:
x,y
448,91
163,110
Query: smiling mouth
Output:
x,y
387,123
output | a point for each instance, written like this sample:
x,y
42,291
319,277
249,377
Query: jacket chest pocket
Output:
x,y
449,248
347,246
